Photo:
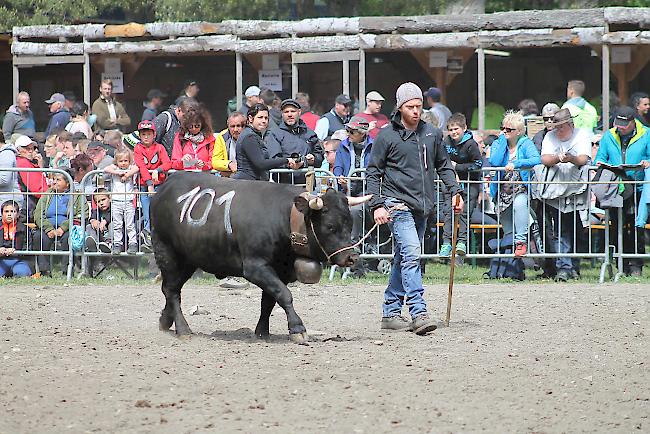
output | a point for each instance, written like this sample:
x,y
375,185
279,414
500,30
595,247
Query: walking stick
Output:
x,y
452,265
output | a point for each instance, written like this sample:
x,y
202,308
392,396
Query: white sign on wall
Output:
x,y
621,54
271,78
112,65
118,81
270,61
437,59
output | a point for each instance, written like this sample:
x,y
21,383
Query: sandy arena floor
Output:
x,y
517,358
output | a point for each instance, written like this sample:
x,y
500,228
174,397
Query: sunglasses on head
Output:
x,y
508,130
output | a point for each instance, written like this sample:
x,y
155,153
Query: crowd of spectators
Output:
x,y
268,133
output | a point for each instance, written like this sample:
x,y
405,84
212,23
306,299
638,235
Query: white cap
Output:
x,y
550,109
339,135
252,91
374,96
23,142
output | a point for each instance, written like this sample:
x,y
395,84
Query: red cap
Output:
x,y
146,125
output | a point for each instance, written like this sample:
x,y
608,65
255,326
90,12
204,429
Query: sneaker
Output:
x,y
104,247
91,244
146,238
520,249
423,324
233,283
132,249
445,251
461,249
117,249
562,276
394,323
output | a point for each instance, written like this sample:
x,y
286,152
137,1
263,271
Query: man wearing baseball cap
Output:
x,y
372,113
336,118
153,103
60,116
400,177
252,95
628,142
292,137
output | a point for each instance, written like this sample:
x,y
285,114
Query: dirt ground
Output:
x,y
517,358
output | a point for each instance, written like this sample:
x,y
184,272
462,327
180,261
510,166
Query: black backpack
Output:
x,y
504,268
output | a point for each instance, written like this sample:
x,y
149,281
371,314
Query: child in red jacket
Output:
x,y
153,162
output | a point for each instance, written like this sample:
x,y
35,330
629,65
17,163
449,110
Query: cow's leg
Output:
x,y
262,329
172,313
265,277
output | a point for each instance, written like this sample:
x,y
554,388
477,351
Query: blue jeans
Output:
x,y
405,282
145,201
515,218
14,267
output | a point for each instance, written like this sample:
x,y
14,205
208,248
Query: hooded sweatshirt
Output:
x,y
9,188
18,122
466,155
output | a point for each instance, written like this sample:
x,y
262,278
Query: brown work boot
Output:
x,y
394,323
423,324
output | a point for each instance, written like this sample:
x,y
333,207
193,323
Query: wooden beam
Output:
x,y
24,61
255,60
620,72
481,90
299,45
131,30
640,58
619,15
174,46
332,56
46,49
628,38
500,20
239,77
89,31
362,80
165,30
312,26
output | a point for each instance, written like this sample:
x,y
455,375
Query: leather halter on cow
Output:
x,y
308,269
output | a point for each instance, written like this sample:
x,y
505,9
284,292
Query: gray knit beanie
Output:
x,y
407,92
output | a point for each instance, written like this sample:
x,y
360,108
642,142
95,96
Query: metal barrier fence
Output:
x,y
588,228
585,229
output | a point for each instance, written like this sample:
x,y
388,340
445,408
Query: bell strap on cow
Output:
x,y
299,239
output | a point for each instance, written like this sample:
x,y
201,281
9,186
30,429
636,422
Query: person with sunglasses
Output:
x,y
515,152
548,111
224,157
194,142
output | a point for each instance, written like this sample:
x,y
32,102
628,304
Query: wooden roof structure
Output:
x,y
596,28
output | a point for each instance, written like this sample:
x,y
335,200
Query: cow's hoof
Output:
x,y
299,338
183,333
165,323
184,337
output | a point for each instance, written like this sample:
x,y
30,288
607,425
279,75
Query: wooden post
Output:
x,y
605,111
346,77
294,75
239,78
481,89
362,80
16,83
86,77
621,77
441,83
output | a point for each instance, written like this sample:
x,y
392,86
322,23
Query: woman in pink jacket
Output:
x,y
194,142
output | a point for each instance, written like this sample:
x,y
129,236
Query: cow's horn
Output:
x,y
316,203
352,201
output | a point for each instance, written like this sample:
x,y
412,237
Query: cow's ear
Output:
x,y
301,204
330,190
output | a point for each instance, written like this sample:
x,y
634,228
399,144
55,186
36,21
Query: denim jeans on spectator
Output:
x,y
519,213
14,267
145,201
405,282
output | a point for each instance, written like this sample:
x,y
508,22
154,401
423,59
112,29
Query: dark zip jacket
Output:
x,y
253,160
402,164
466,155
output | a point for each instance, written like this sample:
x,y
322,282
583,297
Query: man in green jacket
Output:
x,y
584,114
110,113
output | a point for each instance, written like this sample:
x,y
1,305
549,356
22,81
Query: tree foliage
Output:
x,y
32,12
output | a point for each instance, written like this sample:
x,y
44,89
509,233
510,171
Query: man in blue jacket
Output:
x,y
628,142
353,154
400,177
60,115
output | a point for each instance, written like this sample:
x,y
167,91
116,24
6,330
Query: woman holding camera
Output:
x,y
253,162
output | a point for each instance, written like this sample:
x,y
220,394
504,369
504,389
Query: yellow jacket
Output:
x,y
220,159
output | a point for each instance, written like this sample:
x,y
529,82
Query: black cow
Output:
x,y
242,228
